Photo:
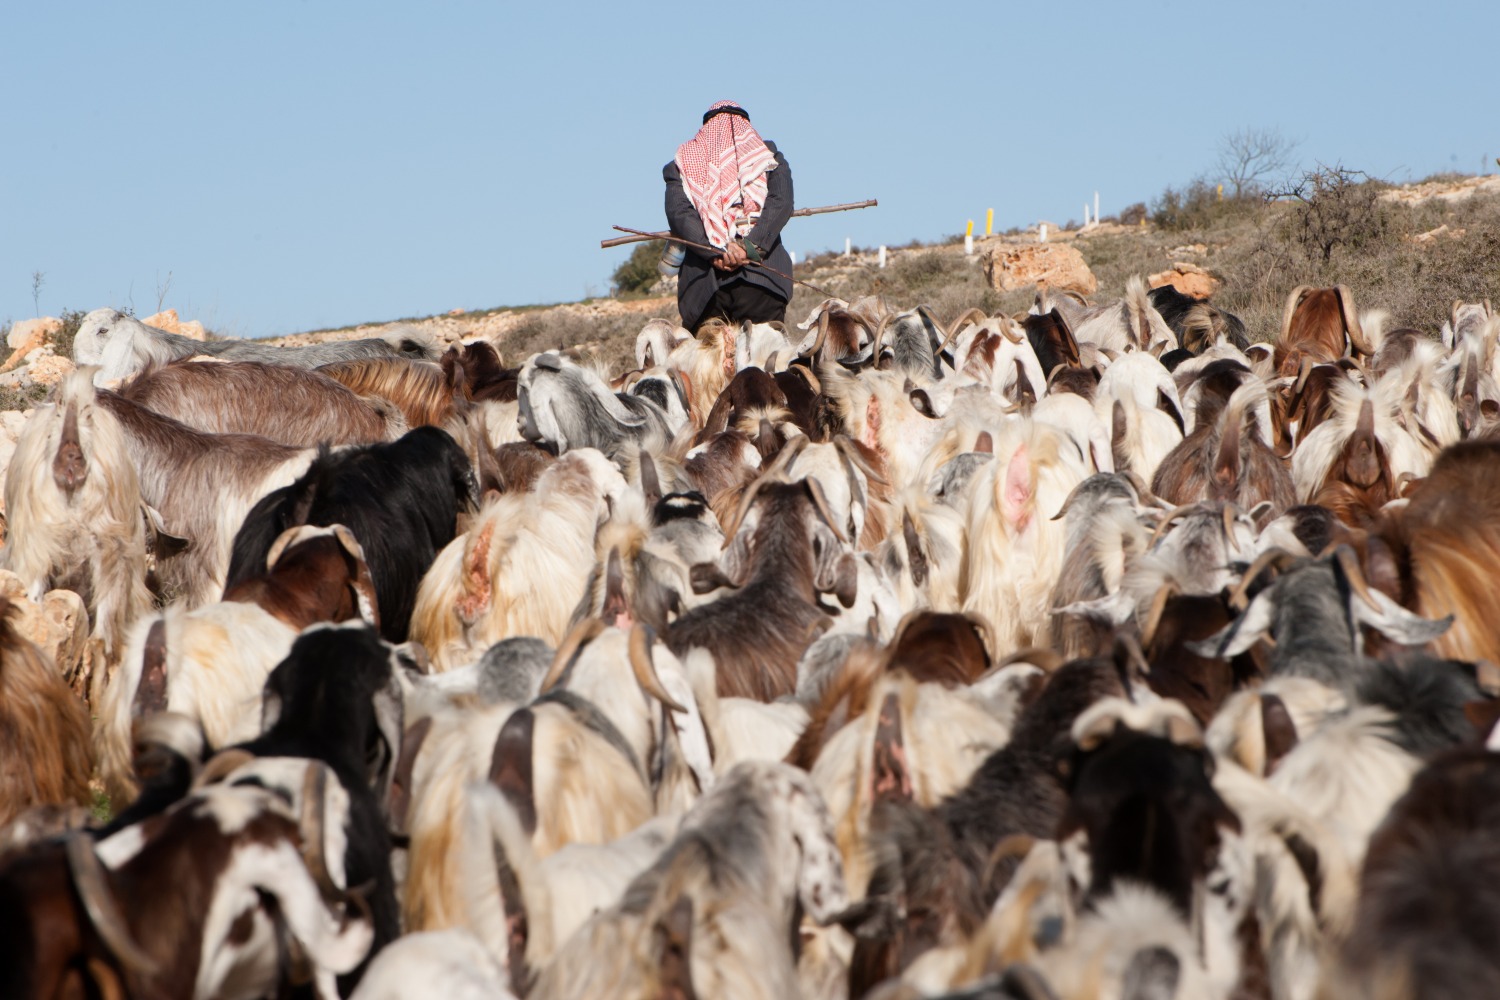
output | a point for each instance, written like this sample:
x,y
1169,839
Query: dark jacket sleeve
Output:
x,y
682,217
778,207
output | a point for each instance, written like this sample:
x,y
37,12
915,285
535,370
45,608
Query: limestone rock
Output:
x,y
32,332
49,369
1009,266
1189,279
26,336
59,624
167,320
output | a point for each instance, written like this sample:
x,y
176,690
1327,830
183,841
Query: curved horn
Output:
x,y
950,334
645,669
579,636
312,824
92,882
1279,558
1008,330
363,584
879,337
1165,523
1349,563
1164,593
221,765
1048,660
820,501
1292,301
1351,322
822,336
1302,374
1231,511
743,508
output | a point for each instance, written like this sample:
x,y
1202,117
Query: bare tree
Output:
x,y
162,288
38,279
1249,157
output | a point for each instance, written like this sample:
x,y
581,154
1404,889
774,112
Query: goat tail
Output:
x,y
525,896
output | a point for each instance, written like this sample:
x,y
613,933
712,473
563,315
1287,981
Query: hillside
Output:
x,y
1411,250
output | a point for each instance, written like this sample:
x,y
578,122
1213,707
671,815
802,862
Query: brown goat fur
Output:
x,y
311,581
44,729
758,633
419,389
1225,459
230,397
1445,546
476,369
1318,324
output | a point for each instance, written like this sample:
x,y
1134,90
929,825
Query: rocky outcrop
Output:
x,y
1009,266
1189,279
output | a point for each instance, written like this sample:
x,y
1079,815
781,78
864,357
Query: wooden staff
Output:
x,y
641,237
716,251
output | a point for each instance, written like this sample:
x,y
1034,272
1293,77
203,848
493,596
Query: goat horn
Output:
x,y
312,824
845,446
1231,510
879,337
820,338
1349,563
1048,660
820,501
743,508
1292,301
92,882
1302,374
645,670
1008,330
950,334
1165,523
579,636
221,765
1164,593
365,600
1279,558
1351,322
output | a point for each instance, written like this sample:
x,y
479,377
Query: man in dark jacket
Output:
x,y
727,188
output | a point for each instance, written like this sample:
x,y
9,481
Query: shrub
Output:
x,y
638,273
1335,207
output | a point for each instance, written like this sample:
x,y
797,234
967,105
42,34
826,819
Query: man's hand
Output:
x,y
732,258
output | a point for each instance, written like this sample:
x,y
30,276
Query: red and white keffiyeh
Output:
x,y
724,174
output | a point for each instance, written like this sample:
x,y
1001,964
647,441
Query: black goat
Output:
x,y
401,500
336,699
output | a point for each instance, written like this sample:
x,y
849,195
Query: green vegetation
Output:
x,y
636,276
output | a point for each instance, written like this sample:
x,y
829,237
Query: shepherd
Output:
x,y
730,189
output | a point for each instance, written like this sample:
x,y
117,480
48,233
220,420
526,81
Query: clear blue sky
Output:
x,y
301,165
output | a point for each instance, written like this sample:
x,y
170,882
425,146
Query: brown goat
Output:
x,y
477,369
44,729
419,389
315,575
1444,547
1224,460
757,634
230,397
1320,324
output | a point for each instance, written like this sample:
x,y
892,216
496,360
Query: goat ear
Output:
x,y
390,711
1279,728
1153,974
1115,609
1398,624
1016,491
1240,634
916,556
159,541
511,766
890,779
398,802
270,709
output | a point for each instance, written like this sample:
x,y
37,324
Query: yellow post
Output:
x,y
989,221
970,230
1221,192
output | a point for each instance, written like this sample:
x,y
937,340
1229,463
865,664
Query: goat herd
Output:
x,y
1093,652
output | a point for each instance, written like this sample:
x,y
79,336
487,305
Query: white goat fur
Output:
x,y
522,566
98,531
217,659
1317,451
1015,548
